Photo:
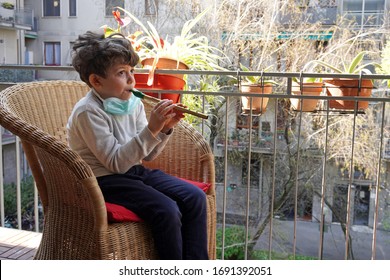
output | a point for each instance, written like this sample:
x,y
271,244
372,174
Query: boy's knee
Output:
x,y
199,197
170,212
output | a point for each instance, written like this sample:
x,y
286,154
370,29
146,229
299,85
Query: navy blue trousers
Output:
x,y
176,210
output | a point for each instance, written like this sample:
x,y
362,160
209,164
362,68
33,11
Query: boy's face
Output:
x,y
118,82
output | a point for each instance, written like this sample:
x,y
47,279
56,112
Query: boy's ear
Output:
x,y
94,80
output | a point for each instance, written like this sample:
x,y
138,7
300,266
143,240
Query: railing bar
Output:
x,y
349,194
323,185
273,183
18,184
261,190
36,208
248,179
225,180
2,214
209,72
296,180
203,111
273,96
378,183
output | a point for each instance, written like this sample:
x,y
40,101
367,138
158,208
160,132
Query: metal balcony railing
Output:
x,y
17,18
291,182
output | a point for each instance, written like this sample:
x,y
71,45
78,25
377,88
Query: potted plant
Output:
x,y
308,87
347,86
255,84
187,51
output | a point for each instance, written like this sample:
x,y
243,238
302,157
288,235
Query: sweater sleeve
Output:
x,y
99,137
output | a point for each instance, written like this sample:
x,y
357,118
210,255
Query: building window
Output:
x,y
72,8
52,53
51,8
111,4
265,129
151,7
366,13
255,173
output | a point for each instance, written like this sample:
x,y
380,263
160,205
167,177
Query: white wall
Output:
x,y
65,29
8,46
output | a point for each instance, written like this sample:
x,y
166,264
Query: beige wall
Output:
x,y
91,16
8,46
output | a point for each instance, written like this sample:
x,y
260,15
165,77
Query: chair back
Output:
x,y
37,113
45,106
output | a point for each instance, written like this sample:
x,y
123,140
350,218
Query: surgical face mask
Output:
x,y
116,106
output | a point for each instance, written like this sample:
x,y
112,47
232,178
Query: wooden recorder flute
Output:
x,y
142,95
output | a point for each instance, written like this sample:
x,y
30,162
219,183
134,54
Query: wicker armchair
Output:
x,y
75,217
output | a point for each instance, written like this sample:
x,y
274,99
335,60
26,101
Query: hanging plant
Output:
x,y
185,51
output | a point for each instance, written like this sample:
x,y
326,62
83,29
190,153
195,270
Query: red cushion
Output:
x,y
117,213
204,186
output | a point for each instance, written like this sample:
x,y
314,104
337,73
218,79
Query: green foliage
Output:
x,y
213,105
234,243
27,200
27,196
351,67
190,48
307,80
235,247
195,102
255,79
386,220
384,67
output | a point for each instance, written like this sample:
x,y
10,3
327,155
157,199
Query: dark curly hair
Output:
x,y
95,54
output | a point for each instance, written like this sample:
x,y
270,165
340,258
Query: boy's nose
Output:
x,y
130,77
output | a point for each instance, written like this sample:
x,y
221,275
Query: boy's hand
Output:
x,y
163,117
175,119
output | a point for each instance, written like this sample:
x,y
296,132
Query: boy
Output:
x,y
109,129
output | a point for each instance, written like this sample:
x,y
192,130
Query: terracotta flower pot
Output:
x,y
308,89
165,63
348,87
162,82
259,104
